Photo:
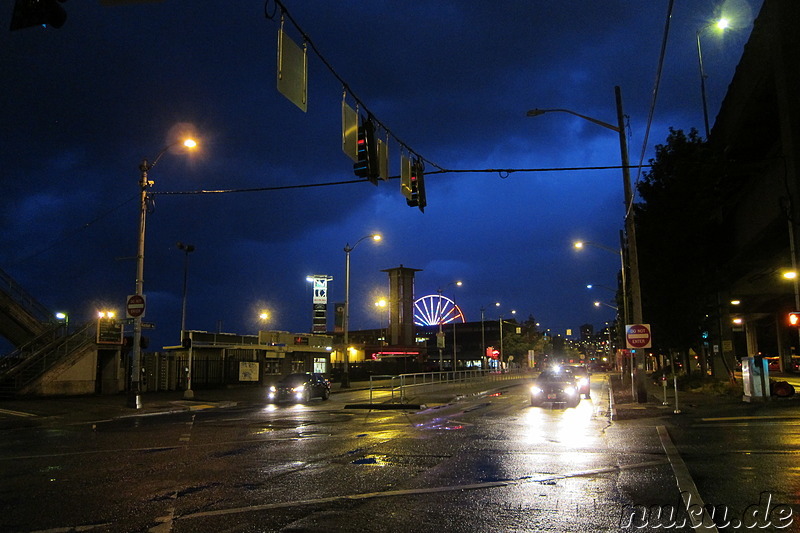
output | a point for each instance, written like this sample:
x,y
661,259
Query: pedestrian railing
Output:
x,y
402,384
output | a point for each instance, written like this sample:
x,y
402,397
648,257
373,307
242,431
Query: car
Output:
x,y
555,386
300,388
582,378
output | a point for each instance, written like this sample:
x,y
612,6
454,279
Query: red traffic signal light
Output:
x,y
417,185
794,318
367,165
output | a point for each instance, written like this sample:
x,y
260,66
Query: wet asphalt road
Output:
x,y
489,463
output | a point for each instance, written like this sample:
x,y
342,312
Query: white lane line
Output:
x,y
695,506
15,413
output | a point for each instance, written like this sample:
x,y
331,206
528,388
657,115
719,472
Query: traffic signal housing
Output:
x,y
794,319
417,185
367,165
29,13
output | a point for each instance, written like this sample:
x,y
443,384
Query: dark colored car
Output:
x,y
300,388
581,378
555,386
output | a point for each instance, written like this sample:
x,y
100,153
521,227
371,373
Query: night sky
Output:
x,y
84,104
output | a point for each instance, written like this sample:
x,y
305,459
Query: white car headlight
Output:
x,y
536,390
272,388
299,388
569,390
583,382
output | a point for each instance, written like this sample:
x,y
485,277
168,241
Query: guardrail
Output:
x,y
399,385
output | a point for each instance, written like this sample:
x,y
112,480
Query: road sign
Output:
x,y
638,336
134,308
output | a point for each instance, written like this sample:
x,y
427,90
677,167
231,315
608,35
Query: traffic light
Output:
x,y
794,318
28,13
367,165
417,185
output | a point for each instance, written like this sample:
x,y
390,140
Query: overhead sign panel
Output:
x,y
292,71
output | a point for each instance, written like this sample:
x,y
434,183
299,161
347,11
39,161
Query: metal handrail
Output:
x,y
23,298
35,365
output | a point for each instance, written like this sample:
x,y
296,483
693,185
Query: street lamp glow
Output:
x,y
105,314
578,244
61,316
346,319
263,315
790,274
723,23
190,143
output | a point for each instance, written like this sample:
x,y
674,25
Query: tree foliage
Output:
x,y
677,236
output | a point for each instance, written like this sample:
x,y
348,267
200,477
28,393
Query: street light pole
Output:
x,y
580,244
630,226
188,394
346,319
187,249
721,24
134,396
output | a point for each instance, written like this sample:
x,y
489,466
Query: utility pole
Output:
x,y
640,358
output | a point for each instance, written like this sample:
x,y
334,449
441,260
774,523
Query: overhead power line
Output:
x,y
503,172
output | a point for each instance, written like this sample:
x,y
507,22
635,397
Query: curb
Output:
x,y
387,406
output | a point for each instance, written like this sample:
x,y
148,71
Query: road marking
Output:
x,y
428,490
761,417
689,494
15,413
187,436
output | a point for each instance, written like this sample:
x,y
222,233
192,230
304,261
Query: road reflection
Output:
x,y
568,426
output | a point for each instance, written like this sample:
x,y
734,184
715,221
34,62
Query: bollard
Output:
x,y
675,383
664,386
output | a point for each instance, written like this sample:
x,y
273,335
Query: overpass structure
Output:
x,y
50,357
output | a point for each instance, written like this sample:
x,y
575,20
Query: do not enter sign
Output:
x,y
134,308
638,336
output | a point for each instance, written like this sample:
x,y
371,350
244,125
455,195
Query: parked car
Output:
x,y
300,388
555,386
581,378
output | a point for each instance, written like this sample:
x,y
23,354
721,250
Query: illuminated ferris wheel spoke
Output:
x,y
435,309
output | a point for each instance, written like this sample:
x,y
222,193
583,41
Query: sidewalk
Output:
x,y
92,408
698,403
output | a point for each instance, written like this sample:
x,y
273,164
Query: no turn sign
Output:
x,y
638,336
134,308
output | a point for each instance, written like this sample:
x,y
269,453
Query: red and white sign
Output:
x,y
638,336
134,308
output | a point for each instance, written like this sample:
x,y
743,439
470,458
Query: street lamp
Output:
x,y
188,394
484,357
381,305
579,245
134,398
606,287
187,249
630,226
721,25
598,304
346,320
513,312
440,335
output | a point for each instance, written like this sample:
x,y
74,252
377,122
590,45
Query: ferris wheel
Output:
x,y
436,309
